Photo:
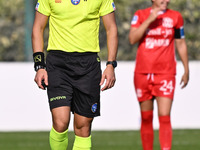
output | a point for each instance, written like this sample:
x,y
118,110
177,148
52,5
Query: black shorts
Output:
x,y
74,81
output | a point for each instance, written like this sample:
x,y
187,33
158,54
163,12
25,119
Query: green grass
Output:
x,y
101,140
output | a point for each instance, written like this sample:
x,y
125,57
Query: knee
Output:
x,y
60,125
61,118
164,113
82,126
164,119
82,129
147,116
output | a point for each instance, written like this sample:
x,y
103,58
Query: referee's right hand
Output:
x,y
41,75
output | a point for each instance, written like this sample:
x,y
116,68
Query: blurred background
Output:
x,y
16,19
24,107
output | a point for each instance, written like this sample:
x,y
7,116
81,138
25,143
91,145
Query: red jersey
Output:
x,y
156,50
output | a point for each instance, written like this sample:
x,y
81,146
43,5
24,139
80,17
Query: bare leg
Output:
x,y
59,133
61,118
82,129
164,106
82,125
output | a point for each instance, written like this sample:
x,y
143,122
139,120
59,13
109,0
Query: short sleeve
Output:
x,y
136,20
43,7
179,22
179,27
107,7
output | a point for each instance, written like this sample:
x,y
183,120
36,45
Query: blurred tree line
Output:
x,y
12,28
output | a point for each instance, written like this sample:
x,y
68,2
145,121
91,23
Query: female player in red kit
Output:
x,y
158,30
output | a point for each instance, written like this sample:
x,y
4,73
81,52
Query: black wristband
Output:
x,y
39,62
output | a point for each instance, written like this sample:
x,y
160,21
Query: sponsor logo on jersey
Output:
x,y
151,42
156,31
134,20
37,6
159,31
167,22
94,108
75,2
113,5
167,32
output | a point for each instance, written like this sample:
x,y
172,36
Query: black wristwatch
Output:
x,y
113,63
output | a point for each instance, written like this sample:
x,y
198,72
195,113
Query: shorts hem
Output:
x,y
165,96
154,96
142,100
52,107
87,115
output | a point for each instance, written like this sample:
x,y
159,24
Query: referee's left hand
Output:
x,y
109,76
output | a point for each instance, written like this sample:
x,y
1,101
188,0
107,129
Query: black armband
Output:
x,y
39,62
179,33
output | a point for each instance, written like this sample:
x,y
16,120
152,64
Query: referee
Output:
x,y
72,72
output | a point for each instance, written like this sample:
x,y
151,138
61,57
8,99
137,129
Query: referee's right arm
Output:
x,y
38,44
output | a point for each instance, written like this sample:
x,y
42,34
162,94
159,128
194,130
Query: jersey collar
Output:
x,y
160,12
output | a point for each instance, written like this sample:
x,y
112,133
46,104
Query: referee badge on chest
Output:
x,y
75,2
94,108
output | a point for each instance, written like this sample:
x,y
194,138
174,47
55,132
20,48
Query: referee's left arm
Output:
x,y
112,45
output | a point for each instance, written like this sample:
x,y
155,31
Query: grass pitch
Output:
x,y
101,140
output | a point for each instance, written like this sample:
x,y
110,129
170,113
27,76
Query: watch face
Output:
x,y
114,63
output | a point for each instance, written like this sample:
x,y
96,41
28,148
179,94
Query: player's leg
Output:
x,y
82,129
86,99
59,132
85,108
60,95
147,134
165,130
143,89
164,91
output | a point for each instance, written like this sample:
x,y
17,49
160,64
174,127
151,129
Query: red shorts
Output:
x,y
148,86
